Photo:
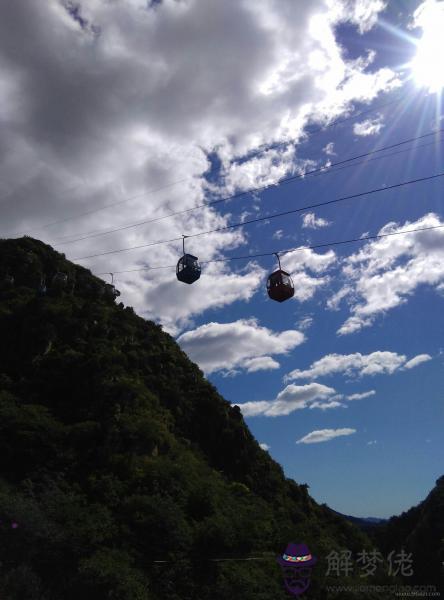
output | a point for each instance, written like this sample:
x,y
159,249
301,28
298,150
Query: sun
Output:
x,y
428,63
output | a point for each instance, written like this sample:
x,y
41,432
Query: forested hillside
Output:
x,y
115,452
421,531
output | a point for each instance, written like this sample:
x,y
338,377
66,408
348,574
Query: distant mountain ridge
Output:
x,y
363,522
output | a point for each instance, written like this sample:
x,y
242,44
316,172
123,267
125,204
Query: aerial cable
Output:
x,y
326,170
267,217
290,250
264,149
323,128
90,212
319,170
219,559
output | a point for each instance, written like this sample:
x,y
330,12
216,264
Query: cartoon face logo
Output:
x,y
14,525
296,564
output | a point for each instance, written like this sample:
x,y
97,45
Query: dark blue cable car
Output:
x,y
280,285
42,287
188,269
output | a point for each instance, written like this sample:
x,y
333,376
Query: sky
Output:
x,y
116,114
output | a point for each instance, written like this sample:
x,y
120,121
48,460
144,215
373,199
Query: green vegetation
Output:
x,y
115,452
420,531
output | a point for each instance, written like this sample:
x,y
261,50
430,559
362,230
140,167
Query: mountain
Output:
x,y
420,530
362,522
116,453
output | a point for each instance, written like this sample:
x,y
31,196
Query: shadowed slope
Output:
x,y
115,452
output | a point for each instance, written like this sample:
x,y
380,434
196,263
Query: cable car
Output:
x,y
188,268
60,280
280,285
7,282
110,290
42,287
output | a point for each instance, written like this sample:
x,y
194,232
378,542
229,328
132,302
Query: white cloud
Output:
x,y
132,97
368,127
384,273
264,446
429,15
354,324
218,287
262,171
255,408
417,360
361,395
310,221
291,398
324,435
305,322
334,301
299,263
261,363
326,405
363,13
305,285
372,442
304,258
329,149
241,344
357,364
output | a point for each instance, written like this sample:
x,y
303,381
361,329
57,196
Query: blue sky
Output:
x,y
396,454
115,114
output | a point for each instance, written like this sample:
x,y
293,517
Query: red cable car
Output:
x,y
188,268
279,285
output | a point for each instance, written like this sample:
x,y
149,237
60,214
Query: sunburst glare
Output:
x,y
427,66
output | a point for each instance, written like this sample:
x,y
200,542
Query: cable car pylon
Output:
x,y
110,288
